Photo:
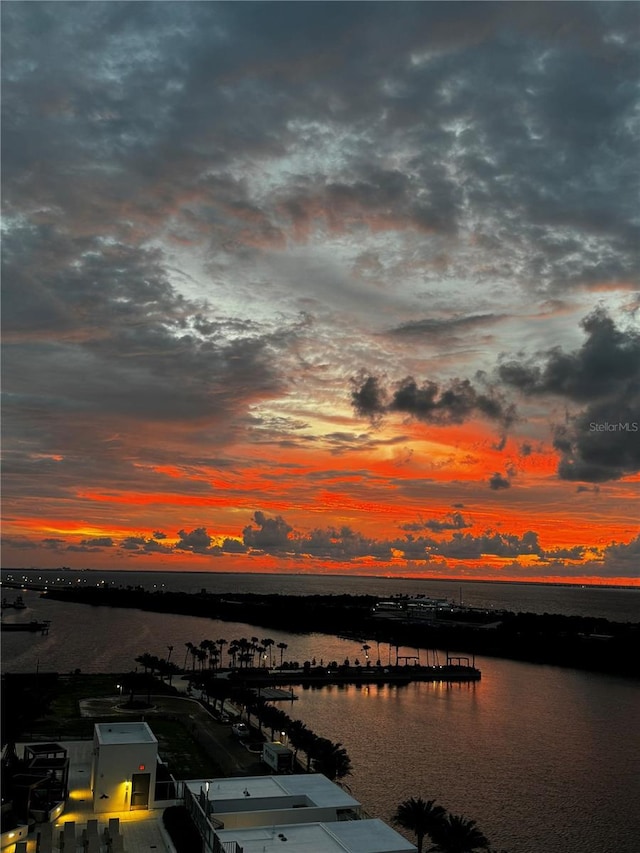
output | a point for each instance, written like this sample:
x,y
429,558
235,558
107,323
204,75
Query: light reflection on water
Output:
x,y
543,759
547,760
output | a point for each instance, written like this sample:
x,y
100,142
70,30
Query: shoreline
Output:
x,y
591,644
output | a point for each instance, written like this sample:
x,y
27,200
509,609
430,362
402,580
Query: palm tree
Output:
x,y
457,834
420,816
378,647
282,647
331,759
298,736
170,649
244,646
148,662
268,643
189,647
221,642
194,652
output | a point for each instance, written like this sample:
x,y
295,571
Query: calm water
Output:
x,y
619,605
547,760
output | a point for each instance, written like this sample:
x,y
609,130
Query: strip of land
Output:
x,y
584,643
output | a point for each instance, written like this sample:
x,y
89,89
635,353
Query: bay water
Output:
x,y
545,759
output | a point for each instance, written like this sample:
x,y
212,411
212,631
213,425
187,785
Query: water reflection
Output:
x,y
545,759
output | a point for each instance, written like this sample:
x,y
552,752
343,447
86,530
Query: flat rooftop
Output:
x,y
345,836
320,790
124,733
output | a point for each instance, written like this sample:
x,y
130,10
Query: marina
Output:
x,y
320,676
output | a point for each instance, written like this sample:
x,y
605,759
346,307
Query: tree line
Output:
x,y
327,757
322,755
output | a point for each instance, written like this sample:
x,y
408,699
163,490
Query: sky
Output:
x,y
322,287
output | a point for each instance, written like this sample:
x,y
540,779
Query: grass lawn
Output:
x,y
178,748
176,745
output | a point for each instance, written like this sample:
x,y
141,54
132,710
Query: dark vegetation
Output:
x,y
182,830
573,641
322,755
448,833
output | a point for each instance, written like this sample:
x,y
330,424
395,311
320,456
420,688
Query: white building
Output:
x,y
245,801
349,836
123,769
308,811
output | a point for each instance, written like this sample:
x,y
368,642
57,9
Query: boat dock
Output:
x,y
320,676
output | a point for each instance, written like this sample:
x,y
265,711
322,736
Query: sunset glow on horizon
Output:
x,y
322,288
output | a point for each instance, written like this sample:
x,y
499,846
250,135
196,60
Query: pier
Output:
x,y
320,676
33,626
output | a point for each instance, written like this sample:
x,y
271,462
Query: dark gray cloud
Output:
x,y
144,545
467,546
606,365
133,543
53,543
197,541
600,444
18,543
602,441
160,159
451,403
623,556
346,545
111,351
121,95
99,542
497,482
437,328
453,521
270,533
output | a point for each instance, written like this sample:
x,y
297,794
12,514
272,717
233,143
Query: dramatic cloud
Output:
x,y
497,482
606,366
467,546
99,542
602,442
214,214
270,533
453,403
198,541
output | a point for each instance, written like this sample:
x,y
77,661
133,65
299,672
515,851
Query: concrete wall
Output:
x,y
112,769
275,817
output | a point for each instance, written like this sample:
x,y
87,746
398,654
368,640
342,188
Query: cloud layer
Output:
x,y
347,265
